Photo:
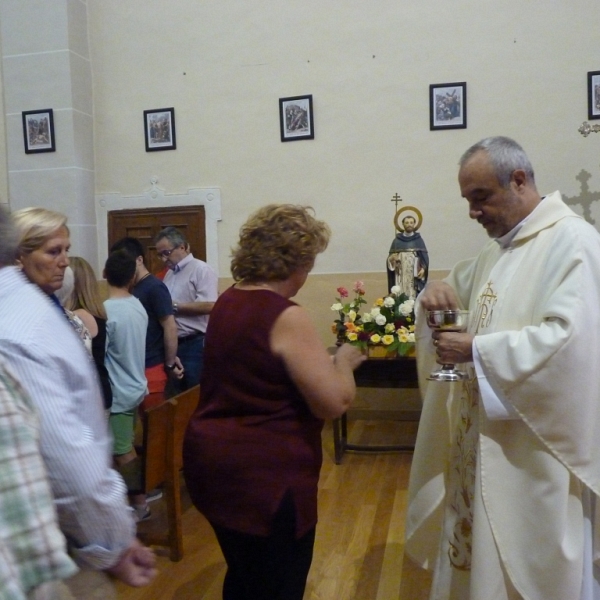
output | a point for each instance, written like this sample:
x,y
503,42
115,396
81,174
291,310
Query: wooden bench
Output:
x,y
164,424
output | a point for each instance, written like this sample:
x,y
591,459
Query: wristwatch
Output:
x,y
170,367
175,308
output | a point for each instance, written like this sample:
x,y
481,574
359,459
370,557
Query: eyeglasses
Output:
x,y
166,253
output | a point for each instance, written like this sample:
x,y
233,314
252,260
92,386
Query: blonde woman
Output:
x,y
85,300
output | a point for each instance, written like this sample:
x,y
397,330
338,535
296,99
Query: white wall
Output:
x,y
223,65
46,64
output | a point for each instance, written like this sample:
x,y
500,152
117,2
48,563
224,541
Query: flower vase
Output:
x,y
411,352
379,351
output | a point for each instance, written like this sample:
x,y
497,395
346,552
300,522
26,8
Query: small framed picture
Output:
x,y
594,95
296,118
159,129
448,106
38,131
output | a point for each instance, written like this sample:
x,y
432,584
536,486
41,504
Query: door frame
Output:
x,y
155,197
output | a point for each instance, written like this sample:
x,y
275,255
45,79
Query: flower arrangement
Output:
x,y
389,324
348,309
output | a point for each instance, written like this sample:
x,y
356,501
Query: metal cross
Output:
x,y
396,198
586,198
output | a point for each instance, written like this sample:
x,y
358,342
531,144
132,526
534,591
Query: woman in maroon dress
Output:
x,y
252,451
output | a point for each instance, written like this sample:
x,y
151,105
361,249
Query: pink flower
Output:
x,y
359,288
343,292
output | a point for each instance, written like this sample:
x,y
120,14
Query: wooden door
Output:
x,y
144,224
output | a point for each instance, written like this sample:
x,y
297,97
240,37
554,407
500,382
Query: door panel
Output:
x,y
144,224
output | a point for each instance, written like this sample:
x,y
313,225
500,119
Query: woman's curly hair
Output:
x,y
276,241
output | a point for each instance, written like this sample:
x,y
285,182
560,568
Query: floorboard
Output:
x,y
359,549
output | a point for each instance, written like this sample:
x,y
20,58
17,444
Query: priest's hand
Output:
x,y
453,348
438,295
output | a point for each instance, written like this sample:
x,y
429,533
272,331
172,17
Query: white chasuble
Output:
x,y
497,506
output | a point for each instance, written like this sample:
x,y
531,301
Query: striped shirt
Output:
x,y
44,352
32,548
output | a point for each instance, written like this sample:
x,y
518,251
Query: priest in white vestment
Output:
x,y
506,469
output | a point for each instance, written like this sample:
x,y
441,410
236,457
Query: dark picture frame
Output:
x,y
38,131
159,129
593,78
448,105
296,118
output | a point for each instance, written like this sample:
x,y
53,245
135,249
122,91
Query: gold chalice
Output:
x,y
448,320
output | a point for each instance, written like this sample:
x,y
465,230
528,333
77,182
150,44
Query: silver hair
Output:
x,y
173,234
8,239
506,157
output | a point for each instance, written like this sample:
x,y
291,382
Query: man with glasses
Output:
x,y
194,288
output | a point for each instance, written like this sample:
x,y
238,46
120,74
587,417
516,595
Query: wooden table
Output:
x,y
398,372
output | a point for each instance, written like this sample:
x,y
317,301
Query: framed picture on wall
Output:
x,y
594,95
159,129
38,131
448,106
296,118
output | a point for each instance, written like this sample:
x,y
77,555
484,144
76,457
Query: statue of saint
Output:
x,y
408,260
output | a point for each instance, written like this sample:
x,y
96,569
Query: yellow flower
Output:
x,y
375,338
411,328
390,328
351,336
387,339
352,315
378,302
403,337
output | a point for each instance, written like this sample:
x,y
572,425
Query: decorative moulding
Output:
x,y
155,197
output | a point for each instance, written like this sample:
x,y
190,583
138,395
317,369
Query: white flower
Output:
x,y
367,318
389,302
406,308
380,320
375,311
411,337
352,316
395,290
337,306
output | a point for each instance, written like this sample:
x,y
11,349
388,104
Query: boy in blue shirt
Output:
x,y
126,326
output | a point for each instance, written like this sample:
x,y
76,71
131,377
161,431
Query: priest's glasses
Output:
x,y
448,320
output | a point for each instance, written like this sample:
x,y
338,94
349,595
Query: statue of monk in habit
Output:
x,y
408,260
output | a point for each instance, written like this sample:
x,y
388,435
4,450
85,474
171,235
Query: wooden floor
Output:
x,y
359,546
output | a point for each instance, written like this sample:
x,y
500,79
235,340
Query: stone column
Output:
x,y
46,64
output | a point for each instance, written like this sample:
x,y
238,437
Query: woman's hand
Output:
x,y
349,355
327,386
136,566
